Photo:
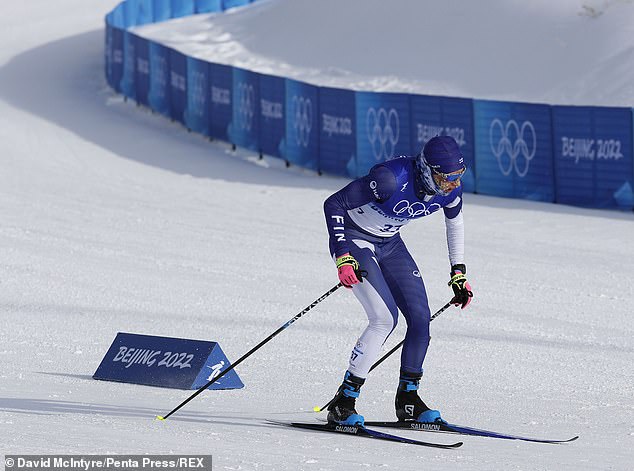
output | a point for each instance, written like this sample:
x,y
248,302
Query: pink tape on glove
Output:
x,y
469,298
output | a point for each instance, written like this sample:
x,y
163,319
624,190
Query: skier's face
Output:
x,y
448,182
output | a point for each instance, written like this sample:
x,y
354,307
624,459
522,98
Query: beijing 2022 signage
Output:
x,y
593,156
166,362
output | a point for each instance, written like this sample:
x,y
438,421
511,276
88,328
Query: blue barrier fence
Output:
x,y
575,155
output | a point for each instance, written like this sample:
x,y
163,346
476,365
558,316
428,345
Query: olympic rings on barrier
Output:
x,y
383,129
302,119
513,140
246,103
199,100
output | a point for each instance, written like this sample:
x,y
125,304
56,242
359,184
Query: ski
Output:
x,y
362,431
453,428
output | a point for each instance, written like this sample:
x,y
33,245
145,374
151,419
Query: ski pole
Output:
x,y
246,355
382,359
396,347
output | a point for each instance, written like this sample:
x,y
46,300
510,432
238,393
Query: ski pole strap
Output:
x,y
347,260
456,279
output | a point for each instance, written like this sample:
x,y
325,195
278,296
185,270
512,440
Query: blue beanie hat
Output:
x,y
442,153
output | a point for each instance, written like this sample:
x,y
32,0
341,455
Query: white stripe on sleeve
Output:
x,y
455,238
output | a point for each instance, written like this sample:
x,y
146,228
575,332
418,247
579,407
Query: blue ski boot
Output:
x,y
341,410
409,406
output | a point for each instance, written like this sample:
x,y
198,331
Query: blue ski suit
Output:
x,y
364,219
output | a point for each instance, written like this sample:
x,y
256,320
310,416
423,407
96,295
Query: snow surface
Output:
x,y
559,52
114,219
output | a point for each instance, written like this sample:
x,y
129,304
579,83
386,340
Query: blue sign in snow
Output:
x,y
166,362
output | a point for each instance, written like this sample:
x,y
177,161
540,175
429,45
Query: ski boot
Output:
x,y
409,406
341,410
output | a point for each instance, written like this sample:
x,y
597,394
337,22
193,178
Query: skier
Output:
x,y
364,219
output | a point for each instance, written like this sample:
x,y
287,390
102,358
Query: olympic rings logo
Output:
x,y
161,75
414,209
383,132
302,119
512,141
246,99
198,93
